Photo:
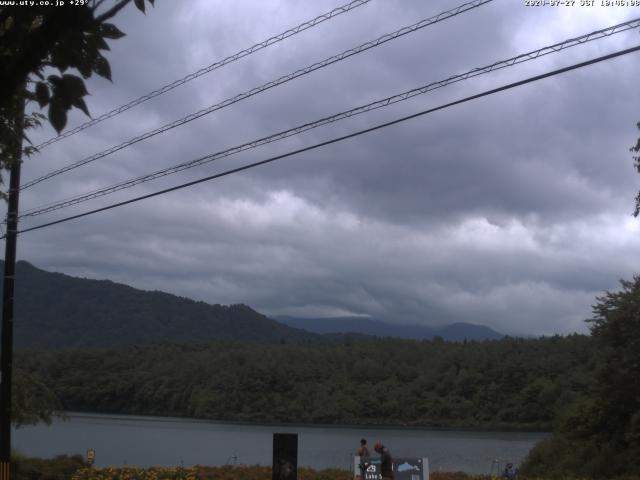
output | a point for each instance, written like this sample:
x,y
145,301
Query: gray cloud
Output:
x,y
512,210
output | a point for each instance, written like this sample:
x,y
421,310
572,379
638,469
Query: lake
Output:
x,y
145,441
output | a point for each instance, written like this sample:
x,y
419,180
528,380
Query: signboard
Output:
x,y
410,469
403,468
285,456
91,456
370,471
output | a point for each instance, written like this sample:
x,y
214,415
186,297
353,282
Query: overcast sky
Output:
x,y
512,211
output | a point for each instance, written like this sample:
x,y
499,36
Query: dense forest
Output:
x,y
598,435
509,383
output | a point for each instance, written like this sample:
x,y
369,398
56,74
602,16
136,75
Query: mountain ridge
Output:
x,y
55,310
455,332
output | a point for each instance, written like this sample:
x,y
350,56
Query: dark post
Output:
x,y
6,358
285,456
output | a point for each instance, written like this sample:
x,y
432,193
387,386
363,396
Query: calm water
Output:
x,y
145,441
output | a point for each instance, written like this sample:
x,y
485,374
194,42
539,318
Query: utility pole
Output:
x,y
6,358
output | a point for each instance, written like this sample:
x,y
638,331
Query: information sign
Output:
x,y
404,468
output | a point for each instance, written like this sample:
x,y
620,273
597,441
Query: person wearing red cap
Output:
x,y
386,461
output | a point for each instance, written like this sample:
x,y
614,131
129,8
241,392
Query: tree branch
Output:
x,y
96,4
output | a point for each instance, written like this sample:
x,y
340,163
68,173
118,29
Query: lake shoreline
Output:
x,y
147,441
369,426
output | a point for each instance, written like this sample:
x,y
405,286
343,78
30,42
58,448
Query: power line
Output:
x,y
342,138
214,66
532,55
273,83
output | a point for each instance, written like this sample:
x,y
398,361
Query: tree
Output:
x,y
33,401
636,159
599,435
616,330
36,40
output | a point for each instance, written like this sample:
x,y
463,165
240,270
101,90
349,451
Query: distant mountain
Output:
x,y
459,331
54,310
455,332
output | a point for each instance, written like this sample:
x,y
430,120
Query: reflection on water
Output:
x,y
144,441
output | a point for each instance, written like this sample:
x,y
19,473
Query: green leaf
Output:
x,y
57,115
61,58
42,94
98,42
29,151
101,67
59,93
139,5
109,30
79,103
74,85
54,80
84,67
29,96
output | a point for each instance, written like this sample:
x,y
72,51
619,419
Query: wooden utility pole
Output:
x,y
6,357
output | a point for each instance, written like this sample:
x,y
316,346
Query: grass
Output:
x,y
232,473
65,467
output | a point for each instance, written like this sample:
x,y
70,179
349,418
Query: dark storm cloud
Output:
x,y
512,210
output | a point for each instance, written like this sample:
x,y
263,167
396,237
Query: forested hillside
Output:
x,y
510,383
598,435
56,311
